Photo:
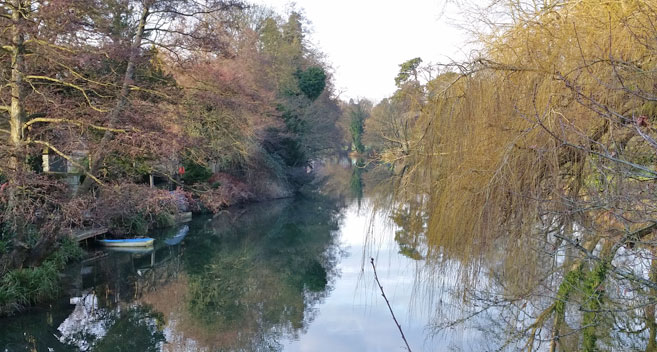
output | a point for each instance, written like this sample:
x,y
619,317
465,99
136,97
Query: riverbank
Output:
x,y
97,128
129,210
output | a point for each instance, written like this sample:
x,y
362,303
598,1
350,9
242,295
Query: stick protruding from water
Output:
x,y
376,277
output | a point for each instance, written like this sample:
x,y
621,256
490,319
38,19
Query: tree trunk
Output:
x,y
98,157
16,120
20,253
17,108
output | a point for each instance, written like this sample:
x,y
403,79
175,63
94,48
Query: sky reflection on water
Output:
x,y
355,317
282,276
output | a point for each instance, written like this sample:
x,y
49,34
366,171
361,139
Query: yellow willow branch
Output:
x,y
80,76
5,131
60,153
151,91
67,84
37,91
442,153
538,323
73,122
392,140
43,42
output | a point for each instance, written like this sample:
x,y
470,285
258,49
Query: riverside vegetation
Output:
x,y
532,166
115,91
528,169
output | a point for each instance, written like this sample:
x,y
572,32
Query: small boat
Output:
x,y
180,235
128,242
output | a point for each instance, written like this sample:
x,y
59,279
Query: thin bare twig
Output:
x,y
376,277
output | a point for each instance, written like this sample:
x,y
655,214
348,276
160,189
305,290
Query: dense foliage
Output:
x,y
228,102
539,155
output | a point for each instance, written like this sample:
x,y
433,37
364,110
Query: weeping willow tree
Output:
x,y
540,156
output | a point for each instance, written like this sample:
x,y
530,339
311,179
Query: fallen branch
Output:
x,y
376,277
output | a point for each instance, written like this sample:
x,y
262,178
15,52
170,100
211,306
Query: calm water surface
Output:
x,y
290,275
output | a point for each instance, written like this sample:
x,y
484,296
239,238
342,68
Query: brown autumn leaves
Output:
x,y
120,89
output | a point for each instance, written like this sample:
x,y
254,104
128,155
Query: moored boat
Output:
x,y
128,242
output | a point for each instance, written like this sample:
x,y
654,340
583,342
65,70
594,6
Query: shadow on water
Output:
x,y
241,280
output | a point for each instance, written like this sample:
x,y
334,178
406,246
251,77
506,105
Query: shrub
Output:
x,y
164,220
130,224
22,287
134,209
231,191
195,173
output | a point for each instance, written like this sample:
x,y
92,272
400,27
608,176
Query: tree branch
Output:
x,y
43,42
376,277
150,91
67,84
77,123
63,155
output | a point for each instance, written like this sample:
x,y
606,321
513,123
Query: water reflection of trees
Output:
x,y
561,286
536,297
241,281
536,293
106,329
252,277
347,178
342,177
265,282
136,322
410,220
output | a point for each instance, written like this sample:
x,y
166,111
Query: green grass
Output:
x,y
23,287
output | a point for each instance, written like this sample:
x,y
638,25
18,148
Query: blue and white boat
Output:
x,y
128,242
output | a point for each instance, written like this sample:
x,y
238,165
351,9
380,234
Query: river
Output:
x,y
287,275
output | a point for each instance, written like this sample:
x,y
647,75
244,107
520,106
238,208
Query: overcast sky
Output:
x,y
366,40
